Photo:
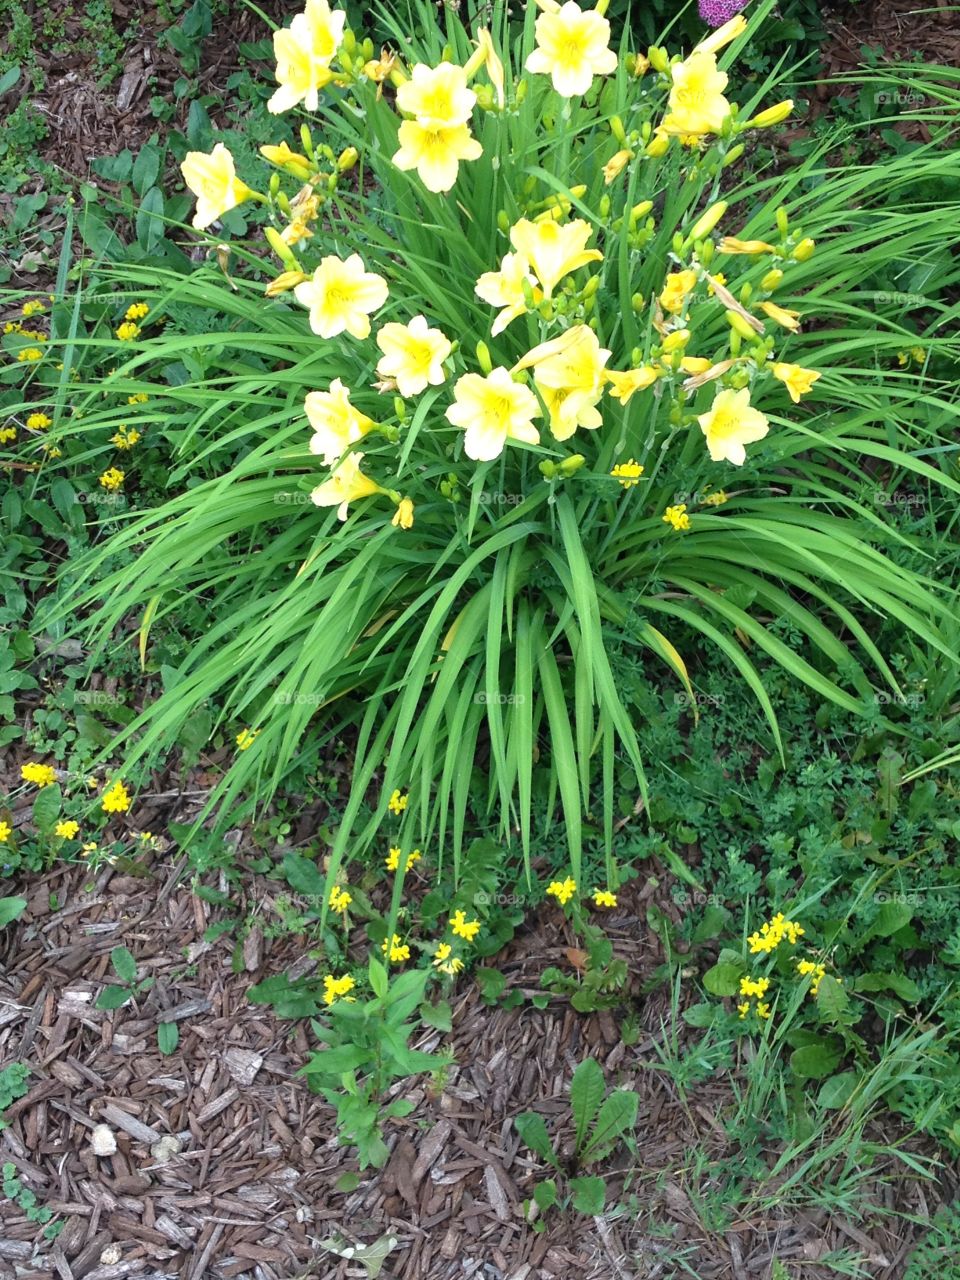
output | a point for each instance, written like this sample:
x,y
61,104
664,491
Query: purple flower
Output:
x,y
716,12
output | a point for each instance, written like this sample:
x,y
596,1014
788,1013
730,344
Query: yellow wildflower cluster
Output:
x,y
128,331
397,948
336,988
42,775
66,829
394,857
773,933
756,988
116,799
815,971
27,355
628,473
677,517
33,308
340,899
562,890
445,960
7,434
112,479
397,803
125,438
38,421
246,738
6,831
136,311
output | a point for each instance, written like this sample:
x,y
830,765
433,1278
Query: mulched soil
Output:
x,y
249,1187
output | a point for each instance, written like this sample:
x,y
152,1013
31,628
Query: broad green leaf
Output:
x,y
586,1094
533,1131
124,965
589,1194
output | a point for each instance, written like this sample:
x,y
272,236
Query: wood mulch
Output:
x,y
226,1164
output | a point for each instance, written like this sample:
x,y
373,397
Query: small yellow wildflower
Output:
x,y
754,987
6,831
816,972
339,899
42,774
677,517
334,988
136,311
715,499
139,397
128,331
562,890
392,859
743,1009
112,479
125,438
604,898
30,353
33,308
397,948
115,799
66,830
92,783
763,1009
772,934
442,959
246,738
397,803
89,848
7,434
52,451
628,473
38,422
464,928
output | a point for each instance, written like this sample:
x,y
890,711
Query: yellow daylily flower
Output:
x,y
290,161
435,151
346,485
731,423
623,385
730,244
437,96
797,380
304,52
504,288
573,46
493,410
716,40
340,295
616,164
553,250
675,289
213,180
780,315
403,516
413,355
337,424
696,103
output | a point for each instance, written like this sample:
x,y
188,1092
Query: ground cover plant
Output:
x,y
526,400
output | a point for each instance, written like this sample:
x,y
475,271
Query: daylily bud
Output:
x,y
735,342
723,35
677,243
639,211
746,293
618,131
349,41
274,186
659,145
306,141
782,220
708,220
399,408
637,302
771,280
548,470
571,465
773,115
706,252
658,58
521,91
503,222
284,282
604,207
282,250
733,155
740,326
676,341
591,287
347,159
804,250
637,65
484,97
483,357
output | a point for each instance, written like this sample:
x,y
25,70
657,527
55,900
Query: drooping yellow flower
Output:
x,y
112,479
246,739
615,165
435,151
403,516
504,288
337,424
413,355
464,928
573,46
781,316
304,53
437,96
677,517
797,380
696,103
346,485
553,249
66,830
285,281
623,385
42,775
116,799
628,473
695,364
562,890
213,180
677,286
731,423
493,410
340,296
297,165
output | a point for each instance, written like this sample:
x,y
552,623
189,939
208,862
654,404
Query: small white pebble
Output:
x,y
165,1149
111,1255
103,1141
